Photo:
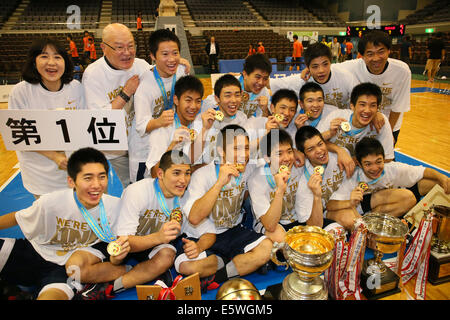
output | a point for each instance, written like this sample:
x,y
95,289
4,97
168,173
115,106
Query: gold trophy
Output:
x,y
386,234
238,289
308,250
439,268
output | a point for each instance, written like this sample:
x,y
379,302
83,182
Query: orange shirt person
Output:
x,y
349,47
297,53
261,48
93,52
139,22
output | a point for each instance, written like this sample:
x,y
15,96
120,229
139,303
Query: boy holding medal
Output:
x,y
151,216
393,188
345,128
272,187
321,177
181,133
62,234
154,98
216,194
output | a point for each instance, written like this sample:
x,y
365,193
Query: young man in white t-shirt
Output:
x,y
336,83
216,194
391,75
154,98
272,186
146,217
392,188
357,122
59,240
181,133
316,187
253,80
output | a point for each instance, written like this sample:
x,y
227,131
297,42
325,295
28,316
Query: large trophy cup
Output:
x,y
386,234
308,250
439,268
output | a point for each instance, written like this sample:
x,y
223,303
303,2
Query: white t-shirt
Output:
x,y
251,107
141,214
331,180
337,90
395,84
41,175
102,84
226,213
327,109
385,136
262,194
396,175
56,228
159,141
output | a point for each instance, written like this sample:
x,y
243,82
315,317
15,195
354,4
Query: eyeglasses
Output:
x,y
122,49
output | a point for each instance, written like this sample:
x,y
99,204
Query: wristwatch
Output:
x,y
124,96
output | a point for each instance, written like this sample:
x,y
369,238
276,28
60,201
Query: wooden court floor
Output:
x,y
425,135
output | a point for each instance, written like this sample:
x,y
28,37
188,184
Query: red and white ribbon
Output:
x,y
167,293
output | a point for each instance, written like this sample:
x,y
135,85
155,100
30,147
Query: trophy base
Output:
x,y
293,288
388,284
439,268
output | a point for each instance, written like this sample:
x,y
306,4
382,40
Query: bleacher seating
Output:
x,y
438,11
6,9
52,14
126,11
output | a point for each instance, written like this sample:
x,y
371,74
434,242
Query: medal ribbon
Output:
x,y
103,232
168,103
269,176
162,200
238,179
353,131
371,181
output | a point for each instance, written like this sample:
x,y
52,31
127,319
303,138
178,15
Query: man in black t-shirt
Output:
x,y
435,55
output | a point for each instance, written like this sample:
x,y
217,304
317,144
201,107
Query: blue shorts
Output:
x,y
235,241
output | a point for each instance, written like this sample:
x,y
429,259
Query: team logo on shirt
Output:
x,y
72,234
227,209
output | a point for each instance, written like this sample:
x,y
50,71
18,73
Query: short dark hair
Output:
x,y
376,37
84,156
309,87
225,81
233,129
159,36
30,73
172,157
257,61
273,138
305,133
366,88
367,146
188,83
316,50
69,36
295,36
284,94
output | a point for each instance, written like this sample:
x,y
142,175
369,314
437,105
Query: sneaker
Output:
x,y
208,283
95,291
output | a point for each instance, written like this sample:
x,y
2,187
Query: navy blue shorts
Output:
x,y
235,241
26,267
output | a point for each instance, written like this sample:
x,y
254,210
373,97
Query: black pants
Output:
x,y
213,62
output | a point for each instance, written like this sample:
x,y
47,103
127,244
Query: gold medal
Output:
x,y
309,114
192,134
114,248
176,215
240,167
345,126
319,170
364,186
219,115
278,117
245,97
283,168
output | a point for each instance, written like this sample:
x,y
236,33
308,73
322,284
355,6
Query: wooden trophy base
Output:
x,y
439,268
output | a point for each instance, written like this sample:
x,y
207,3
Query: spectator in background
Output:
x,y
92,50
73,51
335,50
251,50
86,52
343,50
261,48
212,50
139,21
405,50
348,49
435,55
296,53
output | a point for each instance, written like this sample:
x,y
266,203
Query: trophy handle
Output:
x,y
277,246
